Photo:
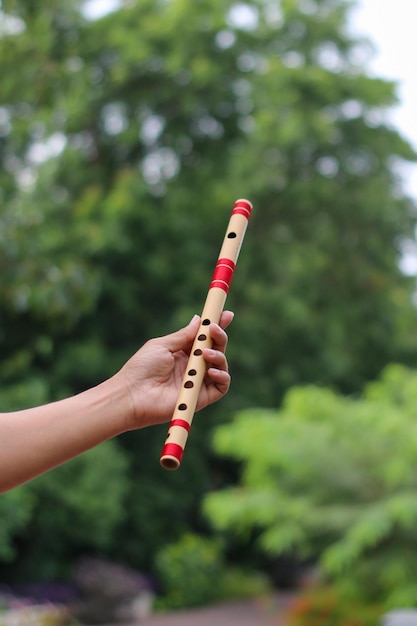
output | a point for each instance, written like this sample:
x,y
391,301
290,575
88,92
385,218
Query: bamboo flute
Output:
x,y
182,418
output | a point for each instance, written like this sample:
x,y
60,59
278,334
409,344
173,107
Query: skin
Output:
x,y
142,393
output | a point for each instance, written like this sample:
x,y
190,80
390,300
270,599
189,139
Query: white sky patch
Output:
x,y
94,9
10,25
243,16
151,129
160,165
41,151
390,26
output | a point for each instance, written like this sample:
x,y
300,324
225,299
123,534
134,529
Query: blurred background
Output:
x,y
127,131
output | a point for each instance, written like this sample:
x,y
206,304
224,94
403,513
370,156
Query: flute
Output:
x,y
182,418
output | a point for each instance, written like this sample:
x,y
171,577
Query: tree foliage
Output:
x,y
333,477
76,507
124,142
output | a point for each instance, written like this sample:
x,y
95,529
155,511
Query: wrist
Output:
x,y
109,402
123,397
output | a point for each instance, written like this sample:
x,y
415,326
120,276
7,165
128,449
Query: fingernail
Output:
x,y
194,318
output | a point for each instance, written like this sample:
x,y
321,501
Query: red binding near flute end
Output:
x,y
174,451
243,207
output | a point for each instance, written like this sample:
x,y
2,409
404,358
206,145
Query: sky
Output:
x,y
391,26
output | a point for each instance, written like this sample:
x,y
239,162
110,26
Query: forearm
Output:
x,y
35,440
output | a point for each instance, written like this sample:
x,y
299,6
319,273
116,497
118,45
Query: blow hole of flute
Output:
x,y
231,235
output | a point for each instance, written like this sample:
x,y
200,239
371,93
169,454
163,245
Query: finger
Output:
x,y
182,339
220,378
215,358
226,318
219,337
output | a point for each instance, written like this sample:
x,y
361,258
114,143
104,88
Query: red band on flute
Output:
x,y
181,423
243,208
173,449
223,273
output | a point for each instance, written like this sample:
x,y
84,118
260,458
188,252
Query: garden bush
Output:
x,y
332,478
326,607
194,573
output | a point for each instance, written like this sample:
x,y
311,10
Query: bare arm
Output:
x,y
142,393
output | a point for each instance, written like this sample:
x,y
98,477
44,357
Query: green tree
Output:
x,y
76,507
125,141
15,511
333,478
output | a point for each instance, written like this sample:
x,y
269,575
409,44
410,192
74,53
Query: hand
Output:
x,y
154,374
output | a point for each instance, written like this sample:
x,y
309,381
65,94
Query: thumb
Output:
x,y
182,339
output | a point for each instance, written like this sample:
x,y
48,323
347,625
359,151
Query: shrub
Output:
x,y
193,573
333,477
237,583
22,612
325,606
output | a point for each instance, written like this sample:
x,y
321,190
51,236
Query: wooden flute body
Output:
x,y
182,418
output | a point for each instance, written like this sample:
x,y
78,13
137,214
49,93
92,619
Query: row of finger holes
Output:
x,y
189,383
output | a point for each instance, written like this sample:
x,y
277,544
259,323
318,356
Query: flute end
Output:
x,y
169,462
171,456
243,206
